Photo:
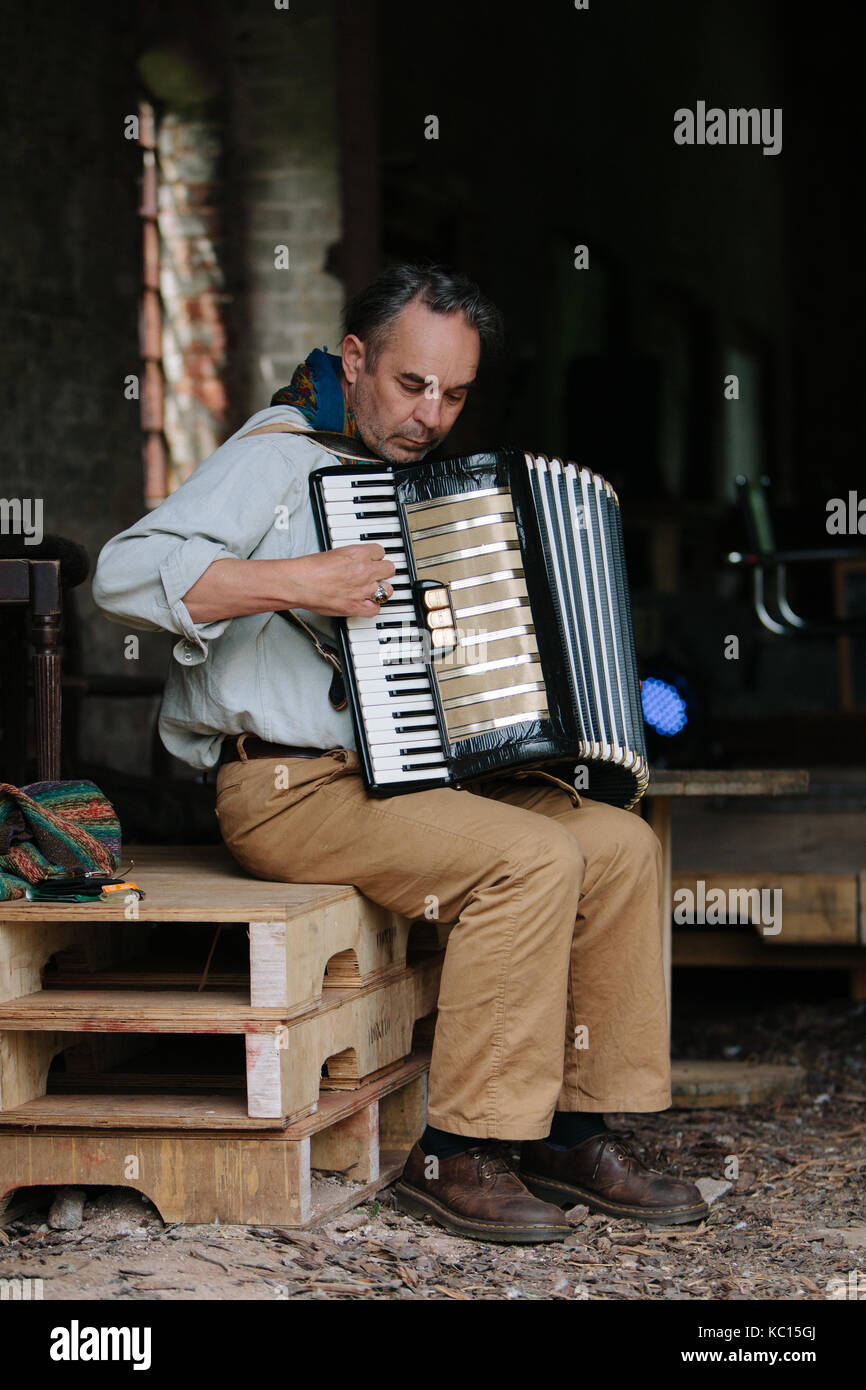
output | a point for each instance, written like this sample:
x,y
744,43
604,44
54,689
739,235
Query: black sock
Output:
x,y
444,1144
570,1127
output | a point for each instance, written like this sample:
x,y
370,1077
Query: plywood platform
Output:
x,y
356,1143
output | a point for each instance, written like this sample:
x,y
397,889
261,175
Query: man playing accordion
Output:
x,y
552,1002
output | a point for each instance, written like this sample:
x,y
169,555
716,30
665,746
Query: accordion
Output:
x,y
507,643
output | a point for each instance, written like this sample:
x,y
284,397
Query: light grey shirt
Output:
x,y
258,674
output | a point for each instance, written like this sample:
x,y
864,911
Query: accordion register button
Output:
x,y
436,598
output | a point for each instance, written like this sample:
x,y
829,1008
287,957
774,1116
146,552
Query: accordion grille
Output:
x,y
579,520
492,678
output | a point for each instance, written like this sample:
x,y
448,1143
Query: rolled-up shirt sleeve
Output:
x,y
221,512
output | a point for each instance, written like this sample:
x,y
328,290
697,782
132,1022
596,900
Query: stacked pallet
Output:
x,y
216,1045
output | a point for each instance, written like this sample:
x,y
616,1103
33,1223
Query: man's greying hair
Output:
x,y
370,314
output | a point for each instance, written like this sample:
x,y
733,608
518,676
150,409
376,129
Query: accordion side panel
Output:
x,y
624,661
637,735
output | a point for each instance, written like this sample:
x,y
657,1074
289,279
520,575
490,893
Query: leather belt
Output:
x,y
257,748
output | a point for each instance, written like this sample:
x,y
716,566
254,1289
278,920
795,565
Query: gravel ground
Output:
x,y
792,1225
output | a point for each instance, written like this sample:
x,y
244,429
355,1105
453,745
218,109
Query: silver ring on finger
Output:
x,y
381,594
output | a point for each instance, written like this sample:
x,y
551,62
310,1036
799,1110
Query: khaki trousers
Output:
x,y
552,993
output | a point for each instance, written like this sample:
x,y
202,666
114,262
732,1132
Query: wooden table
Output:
x,y
667,784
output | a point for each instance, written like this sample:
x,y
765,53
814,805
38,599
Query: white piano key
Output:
x,y
388,696
393,611
335,481
386,654
395,725
420,775
364,525
379,632
413,738
359,506
397,663
398,761
386,643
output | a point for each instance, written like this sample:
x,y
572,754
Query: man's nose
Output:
x,y
428,411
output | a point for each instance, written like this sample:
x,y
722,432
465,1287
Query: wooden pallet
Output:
x,y
295,929
356,1032
316,1168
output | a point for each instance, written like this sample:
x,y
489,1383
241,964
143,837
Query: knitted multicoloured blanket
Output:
x,y
50,829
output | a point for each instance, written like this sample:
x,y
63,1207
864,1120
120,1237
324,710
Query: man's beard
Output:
x,y
383,449
415,457
382,445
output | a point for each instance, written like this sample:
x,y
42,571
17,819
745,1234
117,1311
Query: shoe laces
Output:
x,y
619,1143
497,1157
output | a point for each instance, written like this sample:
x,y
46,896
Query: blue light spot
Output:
x,y
664,708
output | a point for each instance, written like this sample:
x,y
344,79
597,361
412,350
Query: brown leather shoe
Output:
x,y
477,1194
605,1173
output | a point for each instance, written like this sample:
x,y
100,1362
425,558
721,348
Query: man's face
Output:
x,y
409,401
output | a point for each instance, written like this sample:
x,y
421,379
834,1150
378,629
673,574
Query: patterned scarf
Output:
x,y
49,829
316,392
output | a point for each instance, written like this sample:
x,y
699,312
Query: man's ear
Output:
x,y
353,357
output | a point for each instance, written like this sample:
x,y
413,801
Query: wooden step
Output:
x,y
701,1084
295,929
741,947
239,1176
363,1030
816,909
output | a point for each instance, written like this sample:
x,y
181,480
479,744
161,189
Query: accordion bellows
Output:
x,y
508,641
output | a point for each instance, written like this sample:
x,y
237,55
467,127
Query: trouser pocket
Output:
x,y
251,792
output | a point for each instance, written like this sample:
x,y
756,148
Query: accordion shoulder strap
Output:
x,y
549,777
337,692
341,445
327,440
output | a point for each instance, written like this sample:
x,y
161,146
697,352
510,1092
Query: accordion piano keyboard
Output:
x,y
391,678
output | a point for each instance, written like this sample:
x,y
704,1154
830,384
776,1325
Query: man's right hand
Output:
x,y
341,583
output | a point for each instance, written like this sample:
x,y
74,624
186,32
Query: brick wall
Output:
x,y
192,278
